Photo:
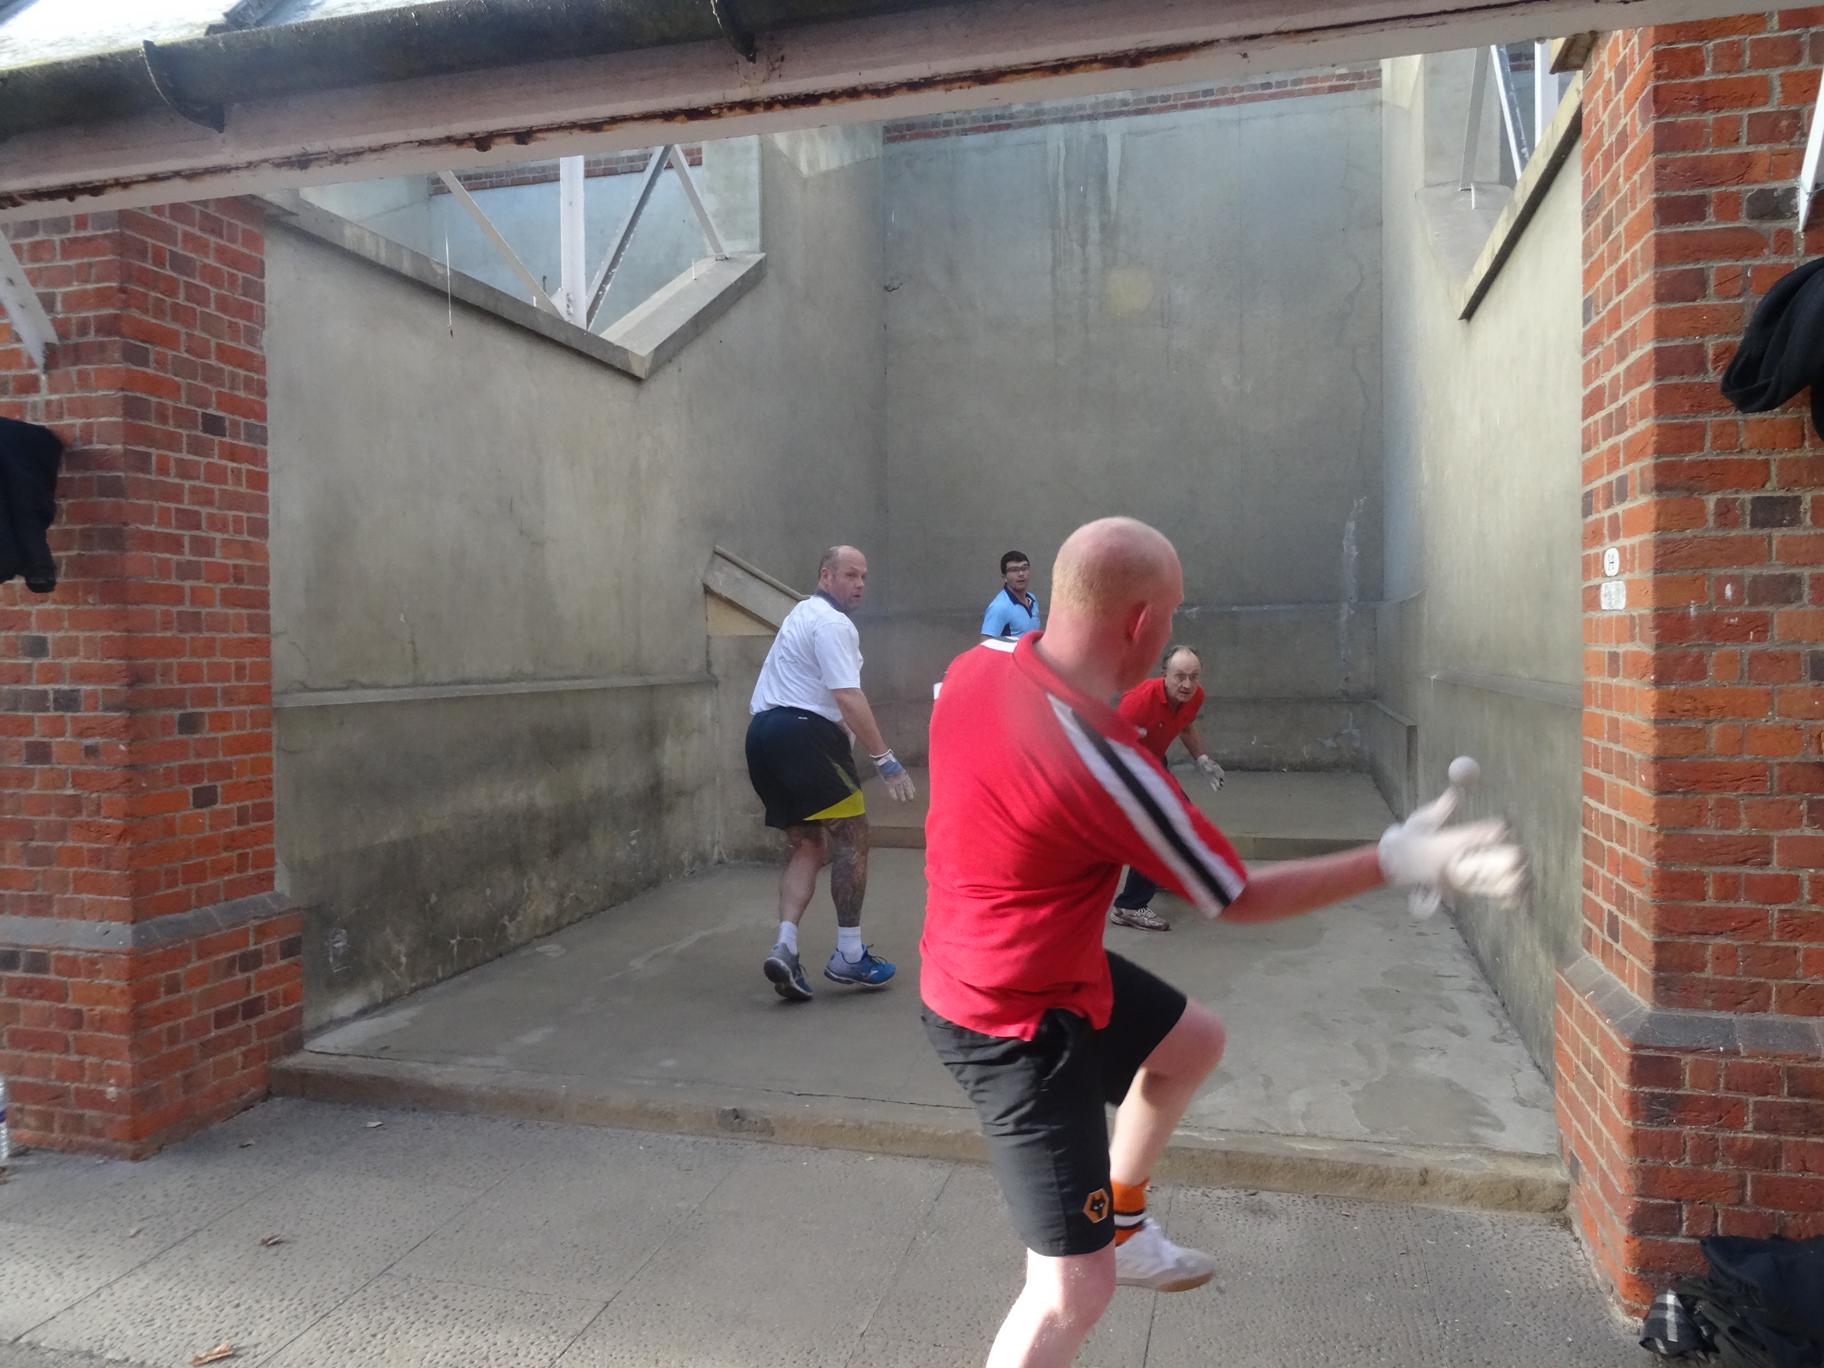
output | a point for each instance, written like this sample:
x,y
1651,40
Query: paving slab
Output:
x,y
337,1231
402,1320
767,1256
1357,1035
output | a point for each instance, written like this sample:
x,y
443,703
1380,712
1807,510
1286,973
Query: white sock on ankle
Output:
x,y
848,942
788,936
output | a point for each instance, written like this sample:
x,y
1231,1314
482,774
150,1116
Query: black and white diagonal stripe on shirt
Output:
x,y
1156,812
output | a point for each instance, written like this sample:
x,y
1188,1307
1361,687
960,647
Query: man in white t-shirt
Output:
x,y
808,708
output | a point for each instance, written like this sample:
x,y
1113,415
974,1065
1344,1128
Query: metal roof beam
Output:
x,y
922,61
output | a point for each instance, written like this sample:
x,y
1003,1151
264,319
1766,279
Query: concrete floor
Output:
x,y
1356,1024
418,1240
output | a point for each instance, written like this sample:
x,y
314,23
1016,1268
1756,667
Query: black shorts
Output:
x,y
803,767
1042,1105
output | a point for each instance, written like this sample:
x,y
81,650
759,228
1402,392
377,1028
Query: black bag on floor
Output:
x,y
1762,1301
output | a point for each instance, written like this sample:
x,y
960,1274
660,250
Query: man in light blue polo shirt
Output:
x,y
1013,611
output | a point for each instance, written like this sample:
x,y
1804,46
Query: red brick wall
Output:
x,y
1691,1104
135,700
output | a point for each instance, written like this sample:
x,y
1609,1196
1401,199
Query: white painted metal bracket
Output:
x,y
1814,146
571,254
714,238
598,289
31,324
505,248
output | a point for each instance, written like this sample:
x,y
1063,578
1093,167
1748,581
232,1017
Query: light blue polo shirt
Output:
x,y
1008,617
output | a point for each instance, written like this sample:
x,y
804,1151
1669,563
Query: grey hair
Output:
x,y
1165,660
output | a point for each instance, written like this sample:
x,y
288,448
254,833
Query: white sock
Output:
x,y
848,942
788,936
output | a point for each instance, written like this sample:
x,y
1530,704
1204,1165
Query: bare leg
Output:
x,y
1161,1091
799,881
1060,1304
848,841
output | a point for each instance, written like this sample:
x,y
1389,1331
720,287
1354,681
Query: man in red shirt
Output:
x,y
1164,708
1040,792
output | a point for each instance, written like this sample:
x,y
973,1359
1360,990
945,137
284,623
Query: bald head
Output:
x,y
842,573
1106,566
1114,588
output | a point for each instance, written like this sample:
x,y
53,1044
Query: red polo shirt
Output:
x,y
1039,795
1159,719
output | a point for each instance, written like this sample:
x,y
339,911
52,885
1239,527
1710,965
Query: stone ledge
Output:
x,y
75,933
1529,192
1678,1028
1434,1175
636,345
422,693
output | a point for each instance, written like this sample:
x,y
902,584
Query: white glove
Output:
x,y
1211,771
899,783
1475,858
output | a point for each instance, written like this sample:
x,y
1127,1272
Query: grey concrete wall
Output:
x,y
489,507
1173,316
1480,642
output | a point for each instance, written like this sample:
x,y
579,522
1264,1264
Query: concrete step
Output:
x,y
1433,1175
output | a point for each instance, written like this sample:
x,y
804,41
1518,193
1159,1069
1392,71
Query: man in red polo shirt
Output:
x,y
1040,793
1164,708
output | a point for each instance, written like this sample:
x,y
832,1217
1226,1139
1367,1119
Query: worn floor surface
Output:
x,y
1356,1023
306,1234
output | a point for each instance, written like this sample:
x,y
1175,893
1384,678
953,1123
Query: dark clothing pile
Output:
x,y
1783,350
29,460
1761,1305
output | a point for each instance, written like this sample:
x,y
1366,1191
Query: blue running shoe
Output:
x,y
787,976
866,972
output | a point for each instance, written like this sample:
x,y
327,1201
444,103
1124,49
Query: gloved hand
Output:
x,y
1211,771
1423,854
898,782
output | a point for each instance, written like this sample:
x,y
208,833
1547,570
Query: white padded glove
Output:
x,y
899,783
1434,860
1211,771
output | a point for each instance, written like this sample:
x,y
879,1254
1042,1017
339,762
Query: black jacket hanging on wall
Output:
x,y
29,460
1783,350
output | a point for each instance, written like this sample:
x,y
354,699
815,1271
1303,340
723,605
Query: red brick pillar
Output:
x,y
1690,1065
148,971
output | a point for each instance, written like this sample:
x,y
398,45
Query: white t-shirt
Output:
x,y
817,650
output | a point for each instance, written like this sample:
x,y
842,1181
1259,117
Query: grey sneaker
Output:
x,y
1140,918
786,974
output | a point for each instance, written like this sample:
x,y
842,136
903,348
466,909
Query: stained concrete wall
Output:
x,y
490,509
1480,641
1175,316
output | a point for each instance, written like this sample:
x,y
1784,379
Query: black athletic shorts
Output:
x,y
803,767
1042,1105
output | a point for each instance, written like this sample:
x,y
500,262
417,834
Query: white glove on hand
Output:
x,y
1211,771
899,783
1476,858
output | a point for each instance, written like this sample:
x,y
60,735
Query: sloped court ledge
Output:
x,y
636,345
1541,170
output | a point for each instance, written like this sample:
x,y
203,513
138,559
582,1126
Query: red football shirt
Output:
x,y
1159,719
1039,795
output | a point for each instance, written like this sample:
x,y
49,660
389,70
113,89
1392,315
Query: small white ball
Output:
x,y
1464,772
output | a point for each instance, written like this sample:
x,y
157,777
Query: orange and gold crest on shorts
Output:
x,y
1096,1205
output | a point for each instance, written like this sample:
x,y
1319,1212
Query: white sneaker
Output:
x,y
1148,1259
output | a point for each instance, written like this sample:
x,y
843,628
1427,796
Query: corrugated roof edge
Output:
x,y
241,65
